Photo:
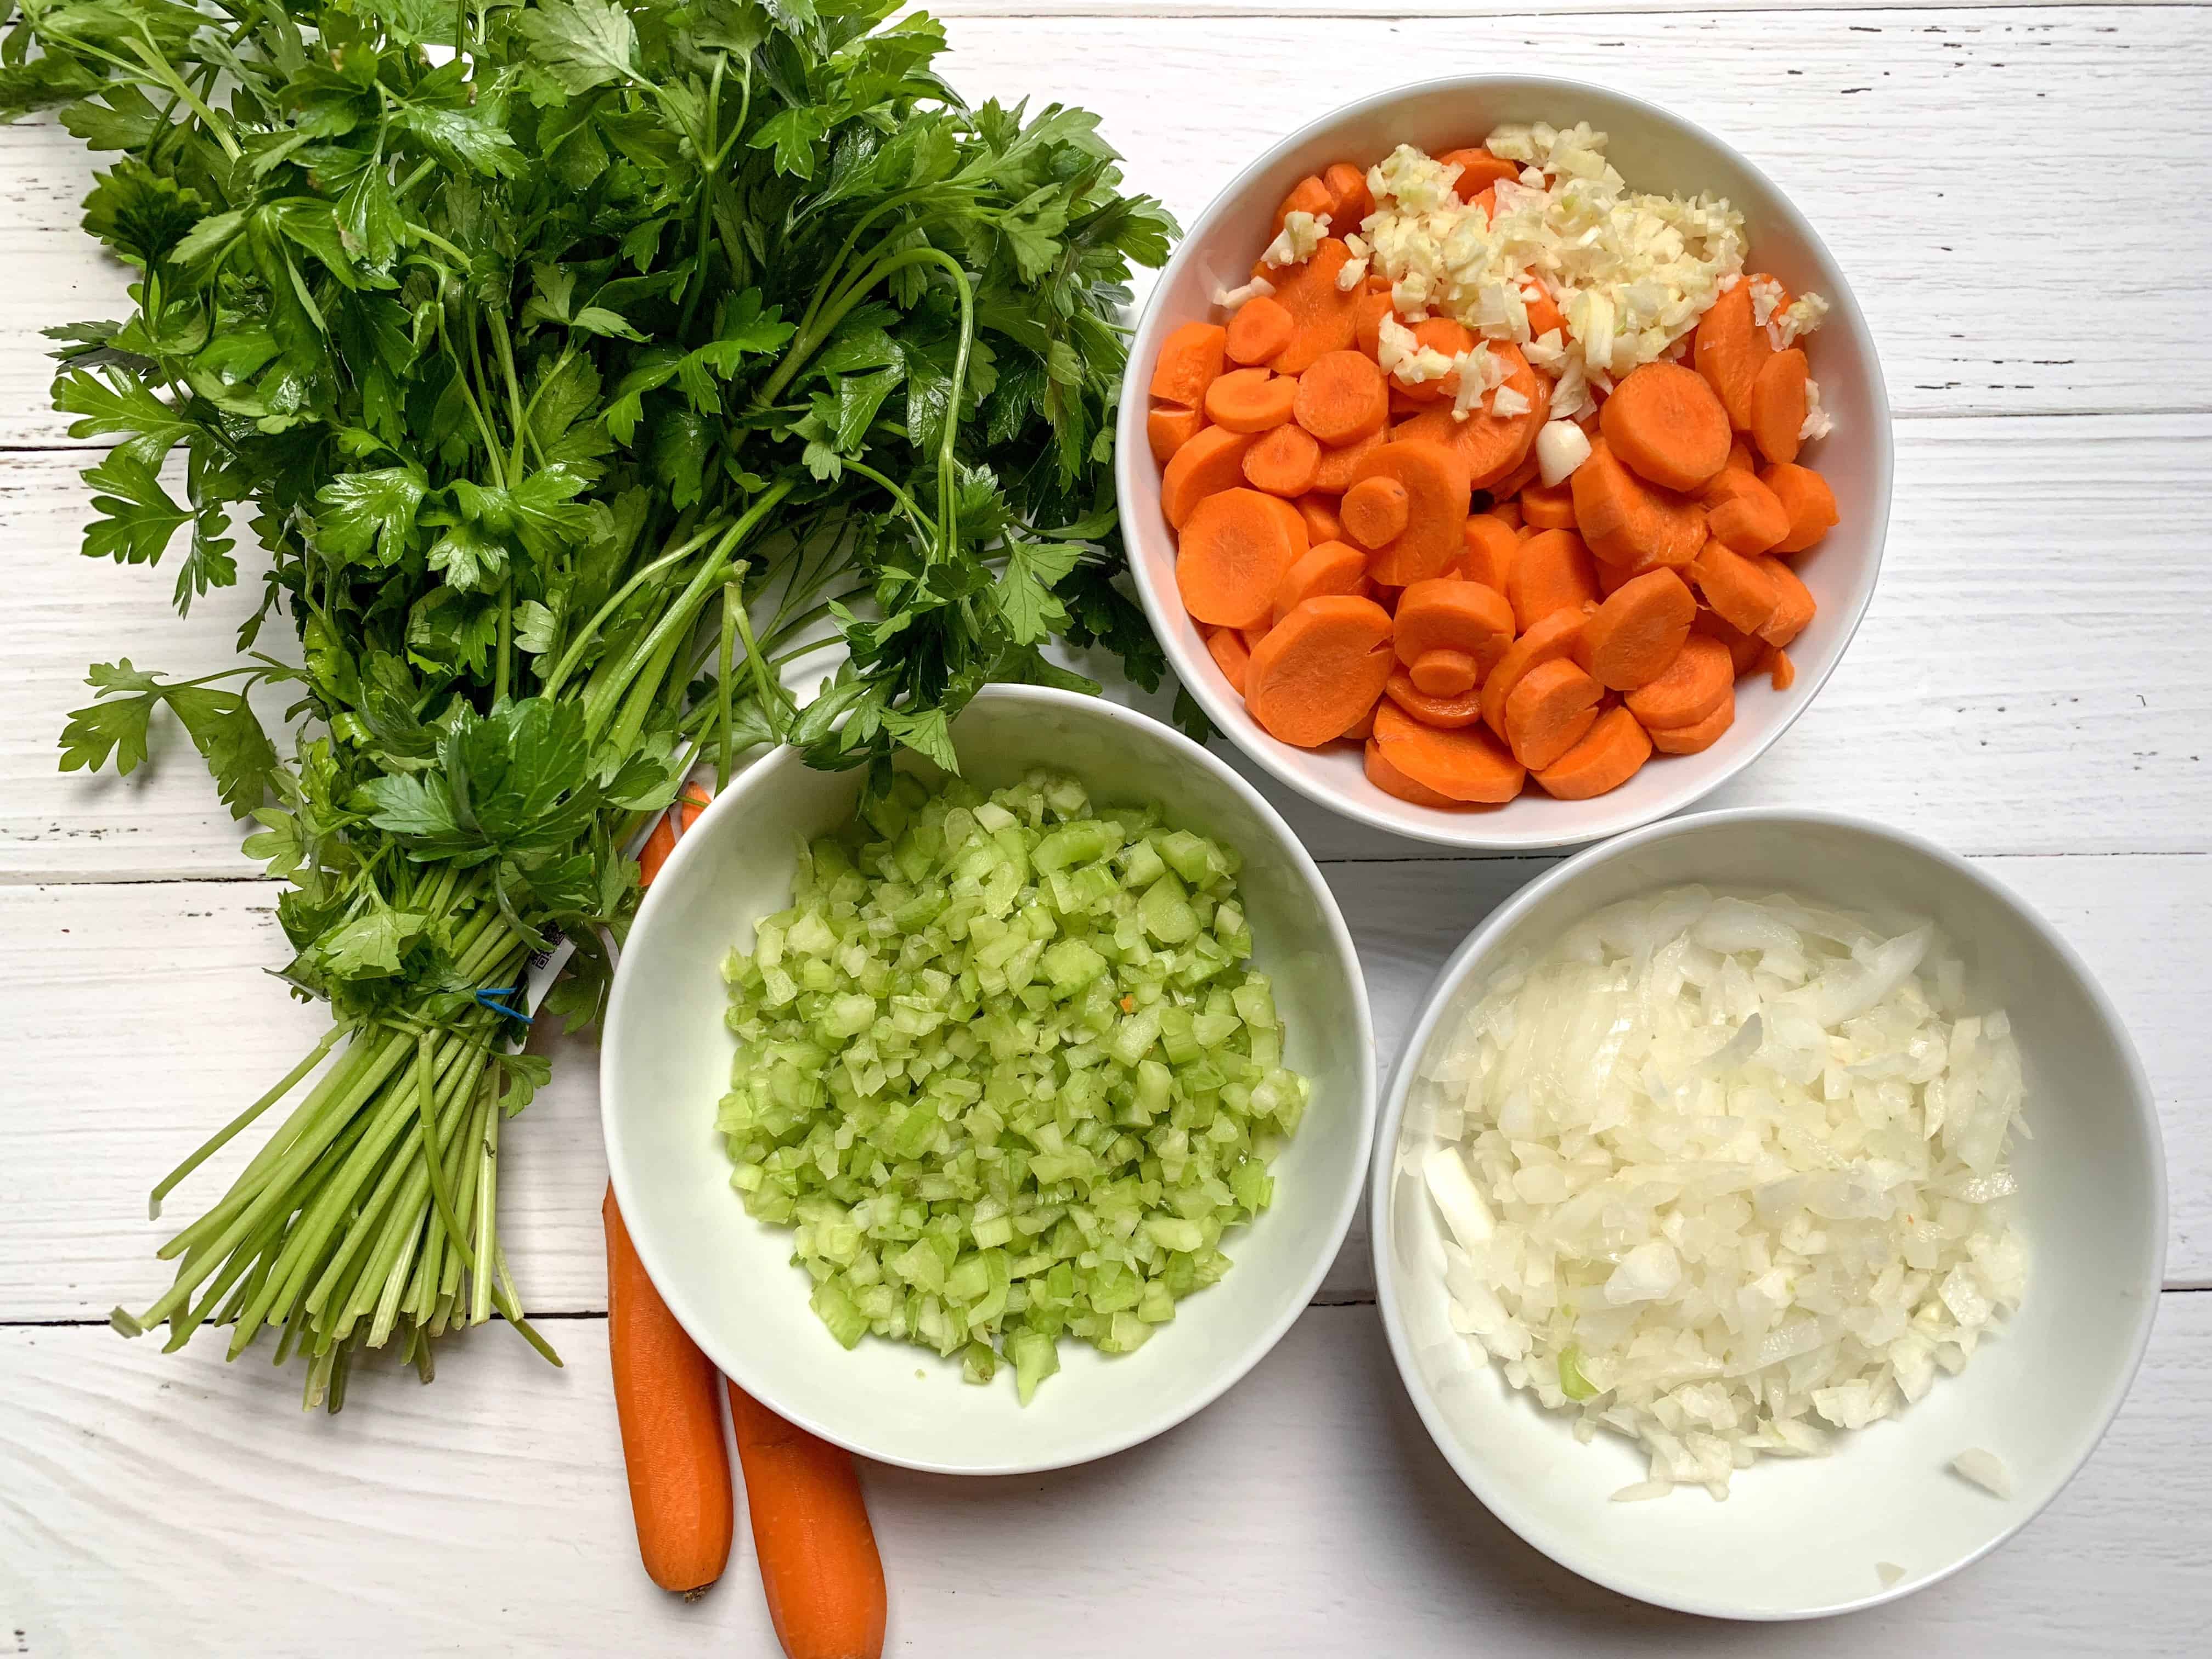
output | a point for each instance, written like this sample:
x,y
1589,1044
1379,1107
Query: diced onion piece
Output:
x,y
1561,447
1985,1470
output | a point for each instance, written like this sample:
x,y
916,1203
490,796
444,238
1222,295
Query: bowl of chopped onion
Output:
x,y
1776,1158
993,1122
1539,244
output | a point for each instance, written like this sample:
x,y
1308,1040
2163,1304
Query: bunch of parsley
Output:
x,y
577,366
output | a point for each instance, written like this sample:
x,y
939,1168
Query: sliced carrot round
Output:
x,y
1623,519
1609,754
1260,328
1324,313
1551,571
1545,640
1743,514
1783,670
1311,194
1391,781
1666,426
1449,713
1810,503
1349,199
1368,313
1322,523
1730,351
1284,461
1374,511
1213,461
1548,508
1492,446
1444,334
1695,683
1436,511
1778,405
1189,360
1738,588
1361,729
1235,551
1341,398
1549,711
1490,546
1168,429
1231,655
1467,764
1327,567
1745,650
1250,400
1633,636
1448,613
1702,735
1509,515
1445,673
1794,607
1478,171
1339,468
1319,669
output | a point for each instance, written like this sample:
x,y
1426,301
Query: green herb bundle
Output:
x,y
578,366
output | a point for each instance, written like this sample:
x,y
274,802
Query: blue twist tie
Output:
x,y
485,998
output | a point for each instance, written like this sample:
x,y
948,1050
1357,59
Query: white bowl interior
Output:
x,y
1654,150
666,1059
1797,1538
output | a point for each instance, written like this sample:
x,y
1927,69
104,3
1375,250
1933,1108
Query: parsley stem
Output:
x,y
573,654
733,606
222,1137
434,1155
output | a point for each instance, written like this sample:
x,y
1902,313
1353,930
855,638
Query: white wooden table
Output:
x,y
2022,198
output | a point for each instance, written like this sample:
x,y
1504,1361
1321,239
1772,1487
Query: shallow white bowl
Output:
x,y
1800,1539
666,1063
1654,150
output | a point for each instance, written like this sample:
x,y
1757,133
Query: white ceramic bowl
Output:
x,y
1801,1538
1654,150
666,1063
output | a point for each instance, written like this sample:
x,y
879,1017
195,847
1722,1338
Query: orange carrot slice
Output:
x,y
1622,519
1189,360
1234,551
1213,461
1549,711
1609,755
1436,510
1743,514
1310,195
1778,405
1738,588
1249,400
1391,781
1341,398
1322,523
1319,669
1783,670
1551,571
1368,313
1490,546
1328,568
1730,352
1492,447
1448,613
1361,729
1633,636
1260,328
1695,683
1466,764
1231,655
1325,315
1793,605
1441,334
1283,462
1444,673
1548,640
1168,429
1548,507
1810,503
1509,515
1349,199
1339,468
1448,712
1374,511
1478,171
1699,736
1745,650
1666,426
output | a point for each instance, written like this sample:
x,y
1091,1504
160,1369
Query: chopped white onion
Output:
x,y
1724,1175
1985,1470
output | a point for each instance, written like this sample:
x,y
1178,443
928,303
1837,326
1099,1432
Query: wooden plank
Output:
x,y
1856,113
1998,695
154,1505
111,996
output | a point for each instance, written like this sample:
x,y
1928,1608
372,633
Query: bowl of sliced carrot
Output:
x,y
1504,462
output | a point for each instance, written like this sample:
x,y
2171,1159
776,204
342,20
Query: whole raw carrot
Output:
x,y
819,1567
671,1427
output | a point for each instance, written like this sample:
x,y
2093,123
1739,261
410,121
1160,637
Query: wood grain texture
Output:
x,y
139,1017
1974,285
2014,679
153,1505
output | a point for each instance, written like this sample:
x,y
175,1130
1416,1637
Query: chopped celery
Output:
x,y
1002,1068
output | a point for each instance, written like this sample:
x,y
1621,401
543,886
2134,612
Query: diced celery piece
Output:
x,y
1036,1357
1166,913
1071,966
1076,843
835,1309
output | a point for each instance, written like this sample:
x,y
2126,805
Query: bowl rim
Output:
x,y
1475,831
1329,1230
1500,1499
